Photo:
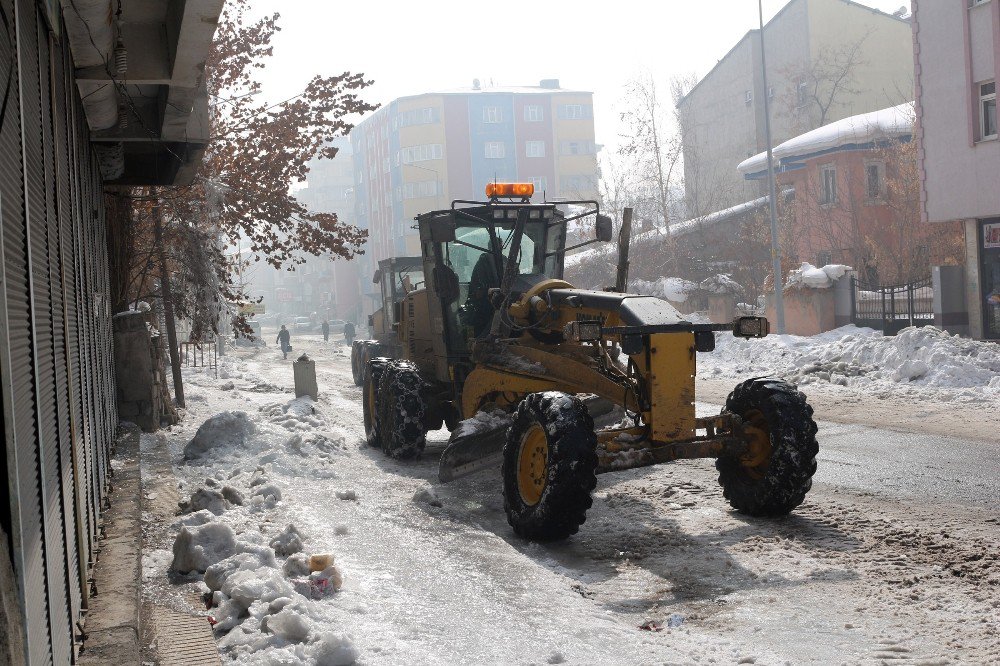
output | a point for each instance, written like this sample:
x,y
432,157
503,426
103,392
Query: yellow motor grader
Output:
x,y
519,360
396,277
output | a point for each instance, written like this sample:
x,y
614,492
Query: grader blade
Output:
x,y
472,449
477,443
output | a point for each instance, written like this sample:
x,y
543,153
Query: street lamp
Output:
x,y
779,303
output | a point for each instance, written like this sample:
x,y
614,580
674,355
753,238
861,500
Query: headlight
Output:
x,y
751,327
582,331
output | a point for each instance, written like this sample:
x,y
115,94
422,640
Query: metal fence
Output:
x,y
193,355
892,308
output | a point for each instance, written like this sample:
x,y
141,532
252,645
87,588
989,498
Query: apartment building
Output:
x,y
809,43
957,56
420,152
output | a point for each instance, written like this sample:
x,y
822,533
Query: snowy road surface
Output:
x,y
892,559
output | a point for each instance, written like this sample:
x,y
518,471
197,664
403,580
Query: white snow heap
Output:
x,y
197,548
808,275
895,123
925,360
226,430
673,289
723,283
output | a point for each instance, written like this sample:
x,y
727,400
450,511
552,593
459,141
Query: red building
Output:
x,y
857,198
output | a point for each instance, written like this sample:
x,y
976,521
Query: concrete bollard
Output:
x,y
304,370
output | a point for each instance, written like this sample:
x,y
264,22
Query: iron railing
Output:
x,y
894,307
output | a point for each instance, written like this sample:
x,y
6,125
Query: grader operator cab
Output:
x,y
520,360
396,277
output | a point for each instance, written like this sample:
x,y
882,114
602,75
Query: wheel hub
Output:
x,y
532,464
758,437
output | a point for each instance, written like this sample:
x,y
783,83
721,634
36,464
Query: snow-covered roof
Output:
x,y
688,226
861,131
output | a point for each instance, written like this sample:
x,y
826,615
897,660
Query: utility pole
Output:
x,y
779,302
168,306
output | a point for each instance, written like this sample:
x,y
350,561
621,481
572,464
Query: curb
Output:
x,y
112,627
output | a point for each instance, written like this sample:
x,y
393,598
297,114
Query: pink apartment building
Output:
x,y
957,57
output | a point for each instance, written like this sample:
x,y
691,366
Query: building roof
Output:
x,y
686,227
854,133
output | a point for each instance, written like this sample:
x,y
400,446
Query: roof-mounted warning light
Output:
x,y
510,190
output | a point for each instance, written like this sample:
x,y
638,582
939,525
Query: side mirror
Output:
x,y
446,284
378,276
605,228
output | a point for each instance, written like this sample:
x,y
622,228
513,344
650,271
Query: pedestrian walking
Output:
x,y
349,332
285,340
326,331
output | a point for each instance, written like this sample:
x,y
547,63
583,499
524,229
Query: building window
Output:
x,y
575,112
533,113
534,148
802,94
540,185
874,181
828,191
492,114
988,109
424,116
974,3
430,151
420,190
748,97
495,150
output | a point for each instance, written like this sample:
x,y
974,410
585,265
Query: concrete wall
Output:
x,y
956,48
807,311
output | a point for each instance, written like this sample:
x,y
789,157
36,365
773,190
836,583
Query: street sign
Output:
x,y
252,308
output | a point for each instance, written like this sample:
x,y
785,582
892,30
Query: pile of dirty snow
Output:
x,y
919,361
266,586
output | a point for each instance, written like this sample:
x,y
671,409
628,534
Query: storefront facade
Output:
x,y
957,60
989,276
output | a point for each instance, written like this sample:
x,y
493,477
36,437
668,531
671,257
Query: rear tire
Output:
x,y
779,482
403,411
549,466
373,371
357,368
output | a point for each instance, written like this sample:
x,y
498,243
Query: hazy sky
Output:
x,y
411,47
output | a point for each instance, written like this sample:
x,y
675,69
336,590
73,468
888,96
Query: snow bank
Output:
x,y
224,431
808,275
669,288
722,283
926,361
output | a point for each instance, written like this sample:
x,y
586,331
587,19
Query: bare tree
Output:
x,y
822,85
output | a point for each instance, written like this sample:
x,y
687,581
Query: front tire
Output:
x,y
403,411
549,466
373,371
776,473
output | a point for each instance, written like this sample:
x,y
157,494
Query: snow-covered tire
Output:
x,y
549,466
357,368
402,411
779,482
373,372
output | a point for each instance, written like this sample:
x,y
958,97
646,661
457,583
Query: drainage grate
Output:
x,y
184,640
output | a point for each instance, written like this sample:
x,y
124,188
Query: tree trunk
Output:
x,y
168,309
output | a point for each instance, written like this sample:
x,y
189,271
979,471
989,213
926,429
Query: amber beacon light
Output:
x,y
495,190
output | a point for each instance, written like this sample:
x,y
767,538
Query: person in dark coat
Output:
x,y
349,332
326,331
285,340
